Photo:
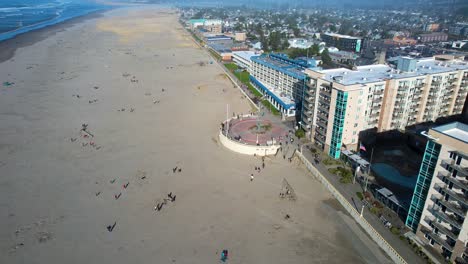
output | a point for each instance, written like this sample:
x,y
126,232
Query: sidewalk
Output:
x,y
349,191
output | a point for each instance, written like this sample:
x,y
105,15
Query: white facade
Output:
x,y
242,58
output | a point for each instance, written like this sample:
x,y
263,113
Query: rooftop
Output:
x,y
283,64
246,55
282,98
341,36
454,130
381,72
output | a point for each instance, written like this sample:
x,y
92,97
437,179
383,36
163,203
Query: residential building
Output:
x,y
281,80
431,27
300,43
459,29
342,42
438,210
243,58
400,41
240,36
339,104
432,37
343,57
210,25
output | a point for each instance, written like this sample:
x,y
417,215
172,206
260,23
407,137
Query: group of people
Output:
x,y
258,169
159,206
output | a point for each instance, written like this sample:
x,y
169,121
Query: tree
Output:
x,y
326,59
314,50
274,41
296,32
284,44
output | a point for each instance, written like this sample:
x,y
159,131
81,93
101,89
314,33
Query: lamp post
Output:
x,y
358,169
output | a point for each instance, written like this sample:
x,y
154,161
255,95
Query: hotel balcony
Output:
x,y
310,92
309,99
460,211
375,114
308,113
377,100
323,108
378,93
452,80
376,107
457,181
439,240
449,163
322,115
443,189
449,219
443,229
420,85
324,101
321,123
319,137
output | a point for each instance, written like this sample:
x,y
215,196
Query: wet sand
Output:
x,y
136,79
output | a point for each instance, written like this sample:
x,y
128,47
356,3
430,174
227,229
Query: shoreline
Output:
x,y
8,47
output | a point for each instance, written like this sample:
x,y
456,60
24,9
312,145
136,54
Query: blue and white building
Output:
x,y
281,80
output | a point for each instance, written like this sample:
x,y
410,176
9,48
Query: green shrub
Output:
x,y
300,133
395,230
375,210
359,195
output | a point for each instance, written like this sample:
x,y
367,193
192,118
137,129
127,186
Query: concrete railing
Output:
x,y
392,253
247,149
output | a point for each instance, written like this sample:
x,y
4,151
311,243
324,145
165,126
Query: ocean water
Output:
x,y
20,16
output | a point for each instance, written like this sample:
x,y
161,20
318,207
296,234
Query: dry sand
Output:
x,y
56,192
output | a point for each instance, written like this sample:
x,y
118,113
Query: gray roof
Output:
x,y
455,130
381,72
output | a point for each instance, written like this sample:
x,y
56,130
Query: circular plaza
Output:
x,y
252,135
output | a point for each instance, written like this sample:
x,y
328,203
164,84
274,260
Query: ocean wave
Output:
x,y
31,18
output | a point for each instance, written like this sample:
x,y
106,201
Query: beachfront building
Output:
x,y
438,210
243,58
300,43
281,80
340,103
210,25
342,42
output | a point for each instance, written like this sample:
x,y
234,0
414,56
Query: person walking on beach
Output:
x,y
251,177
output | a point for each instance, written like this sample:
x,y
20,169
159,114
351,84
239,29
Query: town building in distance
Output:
x,y
214,26
339,104
342,42
438,210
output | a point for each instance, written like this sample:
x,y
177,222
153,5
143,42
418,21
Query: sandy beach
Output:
x,y
152,101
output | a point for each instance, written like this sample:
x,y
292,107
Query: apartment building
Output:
x,y
438,210
340,103
281,80
342,42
